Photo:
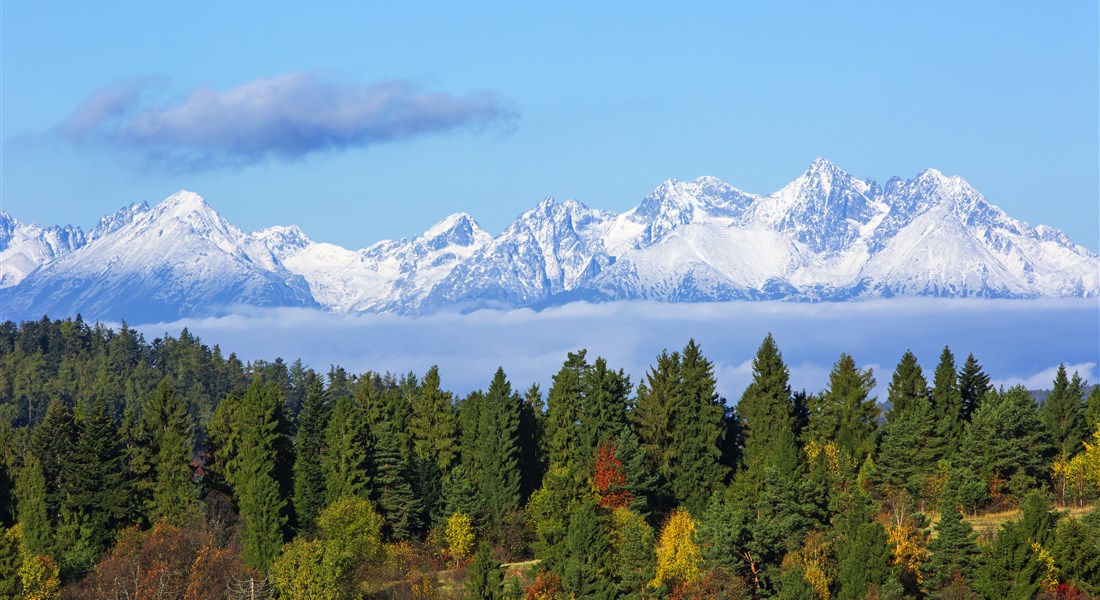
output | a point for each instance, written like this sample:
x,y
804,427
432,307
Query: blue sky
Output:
x,y
364,121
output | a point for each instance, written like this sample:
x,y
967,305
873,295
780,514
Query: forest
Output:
x,y
166,469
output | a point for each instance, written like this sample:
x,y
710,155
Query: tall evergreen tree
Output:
x,y
699,429
947,403
1092,407
658,400
433,425
587,568
907,386
766,417
1063,412
910,447
973,386
640,483
95,482
54,442
563,416
168,424
348,464
954,550
863,556
604,405
532,428
263,506
33,515
394,494
499,451
846,413
309,444
1006,439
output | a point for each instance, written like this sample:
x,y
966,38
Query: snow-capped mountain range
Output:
x,y
826,236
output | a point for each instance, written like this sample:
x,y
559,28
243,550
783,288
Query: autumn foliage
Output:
x,y
609,478
678,556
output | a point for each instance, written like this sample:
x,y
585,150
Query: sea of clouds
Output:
x,y
1017,342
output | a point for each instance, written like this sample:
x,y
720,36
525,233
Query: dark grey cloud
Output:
x,y
285,117
1016,341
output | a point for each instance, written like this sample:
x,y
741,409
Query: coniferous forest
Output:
x,y
166,469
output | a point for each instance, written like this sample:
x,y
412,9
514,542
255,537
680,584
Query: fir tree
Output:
x,y
348,462
658,399
1063,412
863,556
309,473
563,416
907,386
640,483
1006,440
765,412
262,505
910,447
532,427
973,386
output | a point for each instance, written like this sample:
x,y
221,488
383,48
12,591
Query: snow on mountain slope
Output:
x,y
825,236
23,248
178,259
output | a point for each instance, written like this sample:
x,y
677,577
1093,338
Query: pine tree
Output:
x,y
309,473
954,550
169,426
973,386
563,416
1063,412
262,505
347,461
846,413
433,425
765,412
699,430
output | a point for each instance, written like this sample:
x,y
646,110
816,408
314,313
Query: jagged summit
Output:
x,y
827,235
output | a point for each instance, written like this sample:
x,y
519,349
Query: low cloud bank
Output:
x,y
1015,341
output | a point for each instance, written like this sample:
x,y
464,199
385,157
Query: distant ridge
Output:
x,y
826,236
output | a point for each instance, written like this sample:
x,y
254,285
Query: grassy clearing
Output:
x,y
989,523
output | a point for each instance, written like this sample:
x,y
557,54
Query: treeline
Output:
x,y
165,469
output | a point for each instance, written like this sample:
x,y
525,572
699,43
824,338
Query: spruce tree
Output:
x,y
1092,408
485,577
907,385
863,555
347,462
33,517
1063,412
766,418
954,550
640,483
604,405
168,424
563,412
587,568
699,429
94,480
53,442
398,505
658,400
846,413
433,425
499,451
1006,440
262,504
947,403
532,429
910,447
973,386
309,473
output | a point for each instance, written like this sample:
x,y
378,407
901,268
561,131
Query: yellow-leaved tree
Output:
x,y
678,556
459,536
